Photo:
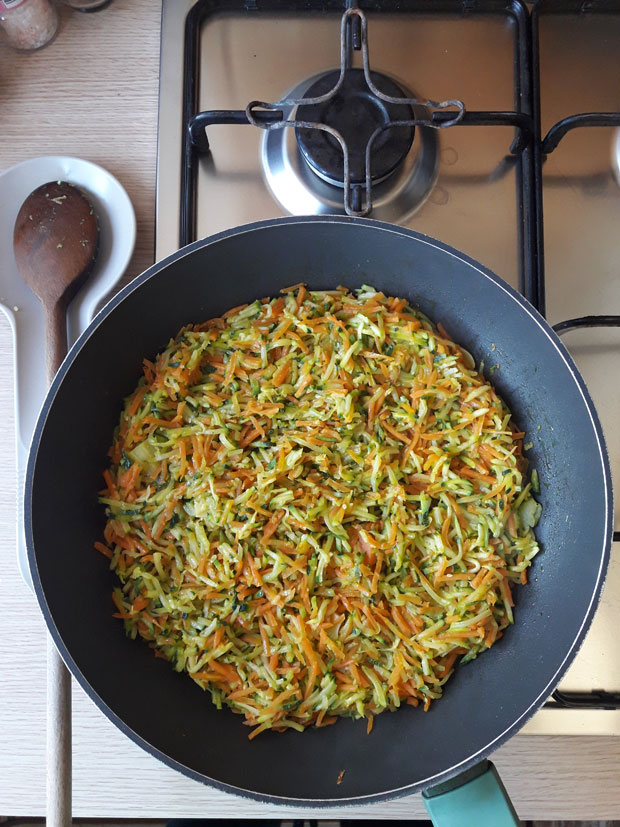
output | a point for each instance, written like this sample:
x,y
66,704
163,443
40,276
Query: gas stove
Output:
x,y
490,125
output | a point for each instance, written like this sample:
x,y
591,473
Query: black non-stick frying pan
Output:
x,y
487,700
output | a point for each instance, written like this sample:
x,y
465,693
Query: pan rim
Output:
x,y
507,733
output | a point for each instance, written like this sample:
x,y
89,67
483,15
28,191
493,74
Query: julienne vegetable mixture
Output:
x,y
316,505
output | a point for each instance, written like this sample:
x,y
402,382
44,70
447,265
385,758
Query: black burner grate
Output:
x,y
527,152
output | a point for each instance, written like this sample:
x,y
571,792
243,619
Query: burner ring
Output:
x,y
298,190
355,112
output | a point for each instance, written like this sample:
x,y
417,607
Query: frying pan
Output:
x,y
487,700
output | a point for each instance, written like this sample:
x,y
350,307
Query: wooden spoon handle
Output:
x,y
58,739
55,336
58,676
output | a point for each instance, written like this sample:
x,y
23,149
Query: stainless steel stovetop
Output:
x,y
455,183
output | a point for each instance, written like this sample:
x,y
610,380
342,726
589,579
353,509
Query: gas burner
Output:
x,y
304,167
350,99
356,113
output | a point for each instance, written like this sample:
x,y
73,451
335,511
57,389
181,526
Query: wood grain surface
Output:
x,y
93,93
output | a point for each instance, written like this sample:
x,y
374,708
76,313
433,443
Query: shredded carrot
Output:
x,y
101,547
316,507
140,603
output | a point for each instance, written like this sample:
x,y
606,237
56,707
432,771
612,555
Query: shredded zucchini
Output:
x,y
316,505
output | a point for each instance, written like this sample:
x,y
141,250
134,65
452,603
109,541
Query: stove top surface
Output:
x,y
460,184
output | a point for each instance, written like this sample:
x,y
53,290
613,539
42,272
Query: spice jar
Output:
x,y
28,24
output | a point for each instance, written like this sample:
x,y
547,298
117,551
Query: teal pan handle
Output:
x,y
476,798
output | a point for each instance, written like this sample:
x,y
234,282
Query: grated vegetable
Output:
x,y
316,506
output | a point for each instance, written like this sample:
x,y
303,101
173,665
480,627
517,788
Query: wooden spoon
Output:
x,y
55,239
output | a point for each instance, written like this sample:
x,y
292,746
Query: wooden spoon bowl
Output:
x,y
55,239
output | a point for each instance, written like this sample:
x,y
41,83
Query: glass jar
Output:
x,y
28,24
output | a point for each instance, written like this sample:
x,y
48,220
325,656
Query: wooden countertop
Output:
x,y
93,94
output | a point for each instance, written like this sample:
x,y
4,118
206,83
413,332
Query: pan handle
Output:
x,y
475,798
